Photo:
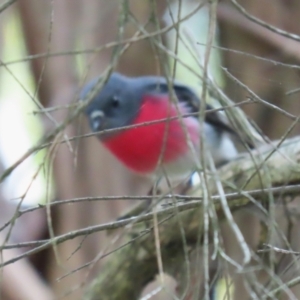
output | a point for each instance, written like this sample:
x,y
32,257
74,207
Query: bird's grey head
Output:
x,y
120,99
115,105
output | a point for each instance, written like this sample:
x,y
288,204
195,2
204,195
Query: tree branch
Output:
x,y
128,270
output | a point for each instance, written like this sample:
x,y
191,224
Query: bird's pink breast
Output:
x,y
141,148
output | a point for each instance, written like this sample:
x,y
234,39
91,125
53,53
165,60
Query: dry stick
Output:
x,y
267,60
101,48
36,102
53,108
16,214
45,140
257,98
155,187
211,36
104,254
284,286
264,24
276,161
272,106
276,249
151,294
294,91
14,276
285,45
194,202
295,119
157,245
6,4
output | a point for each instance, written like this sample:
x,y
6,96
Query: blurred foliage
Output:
x,y
20,128
182,42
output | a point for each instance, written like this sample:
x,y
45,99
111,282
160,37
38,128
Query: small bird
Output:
x,y
166,147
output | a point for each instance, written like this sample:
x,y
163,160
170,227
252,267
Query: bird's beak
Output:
x,y
96,119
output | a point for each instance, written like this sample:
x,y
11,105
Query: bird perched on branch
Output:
x,y
164,138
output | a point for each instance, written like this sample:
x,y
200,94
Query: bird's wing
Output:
x,y
192,101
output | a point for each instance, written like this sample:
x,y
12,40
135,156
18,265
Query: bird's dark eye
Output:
x,y
115,102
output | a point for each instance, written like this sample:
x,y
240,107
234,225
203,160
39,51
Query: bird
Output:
x,y
168,144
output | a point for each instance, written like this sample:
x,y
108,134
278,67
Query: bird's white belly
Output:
x,y
180,169
221,148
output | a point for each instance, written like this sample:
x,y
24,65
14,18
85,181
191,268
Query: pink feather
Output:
x,y
141,148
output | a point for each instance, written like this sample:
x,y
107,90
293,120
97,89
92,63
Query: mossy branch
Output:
x,y
128,270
